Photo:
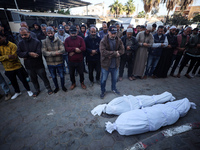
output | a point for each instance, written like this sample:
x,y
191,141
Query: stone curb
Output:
x,y
146,143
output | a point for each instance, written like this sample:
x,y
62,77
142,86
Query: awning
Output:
x,y
42,5
41,14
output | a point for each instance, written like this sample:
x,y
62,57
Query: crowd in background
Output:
x,y
146,51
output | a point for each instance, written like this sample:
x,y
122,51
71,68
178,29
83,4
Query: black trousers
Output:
x,y
94,65
12,76
177,60
79,67
185,60
196,67
34,73
126,59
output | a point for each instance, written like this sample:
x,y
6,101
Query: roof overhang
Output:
x,y
42,5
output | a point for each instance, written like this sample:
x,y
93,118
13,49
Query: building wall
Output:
x,y
190,12
195,10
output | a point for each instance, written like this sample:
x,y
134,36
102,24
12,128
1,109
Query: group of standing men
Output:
x,y
108,51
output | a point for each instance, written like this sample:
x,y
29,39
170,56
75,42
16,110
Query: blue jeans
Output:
x,y
104,77
151,64
59,69
65,59
4,85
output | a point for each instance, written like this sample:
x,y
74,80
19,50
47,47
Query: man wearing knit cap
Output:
x,y
166,56
111,48
53,49
130,45
145,40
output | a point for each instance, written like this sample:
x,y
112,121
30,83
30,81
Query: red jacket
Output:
x,y
71,44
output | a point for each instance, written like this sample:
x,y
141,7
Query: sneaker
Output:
x,y
83,85
116,92
30,93
7,96
91,84
102,95
16,95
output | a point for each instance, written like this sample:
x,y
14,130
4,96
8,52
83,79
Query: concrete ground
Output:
x,y
63,121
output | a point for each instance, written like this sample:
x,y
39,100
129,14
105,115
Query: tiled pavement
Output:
x,y
63,120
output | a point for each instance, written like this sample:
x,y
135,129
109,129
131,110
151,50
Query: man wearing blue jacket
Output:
x,y
93,55
160,41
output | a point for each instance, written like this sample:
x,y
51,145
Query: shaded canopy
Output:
x,y
42,5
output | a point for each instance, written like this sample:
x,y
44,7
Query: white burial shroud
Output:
x,y
150,118
125,103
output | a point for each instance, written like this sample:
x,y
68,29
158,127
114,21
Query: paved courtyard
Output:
x,y
63,121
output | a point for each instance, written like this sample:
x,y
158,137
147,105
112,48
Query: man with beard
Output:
x,y
145,40
62,36
182,40
53,49
103,32
67,28
75,46
43,34
160,41
111,48
131,46
24,24
192,54
166,56
12,65
93,55
119,33
30,49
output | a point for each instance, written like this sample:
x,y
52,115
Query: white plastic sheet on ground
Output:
x,y
125,103
150,118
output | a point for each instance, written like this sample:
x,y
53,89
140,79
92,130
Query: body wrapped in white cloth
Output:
x,y
150,118
124,103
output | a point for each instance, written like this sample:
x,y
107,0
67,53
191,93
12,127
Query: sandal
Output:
x,y
50,92
35,94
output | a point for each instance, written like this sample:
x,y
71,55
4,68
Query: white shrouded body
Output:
x,y
150,118
124,103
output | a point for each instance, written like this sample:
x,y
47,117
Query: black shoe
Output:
x,y
102,95
56,90
116,92
64,89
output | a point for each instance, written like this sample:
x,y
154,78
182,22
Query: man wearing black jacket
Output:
x,y
93,55
130,45
30,49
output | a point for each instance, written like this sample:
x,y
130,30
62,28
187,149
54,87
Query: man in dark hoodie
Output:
x,y
42,34
37,29
83,30
93,55
30,49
